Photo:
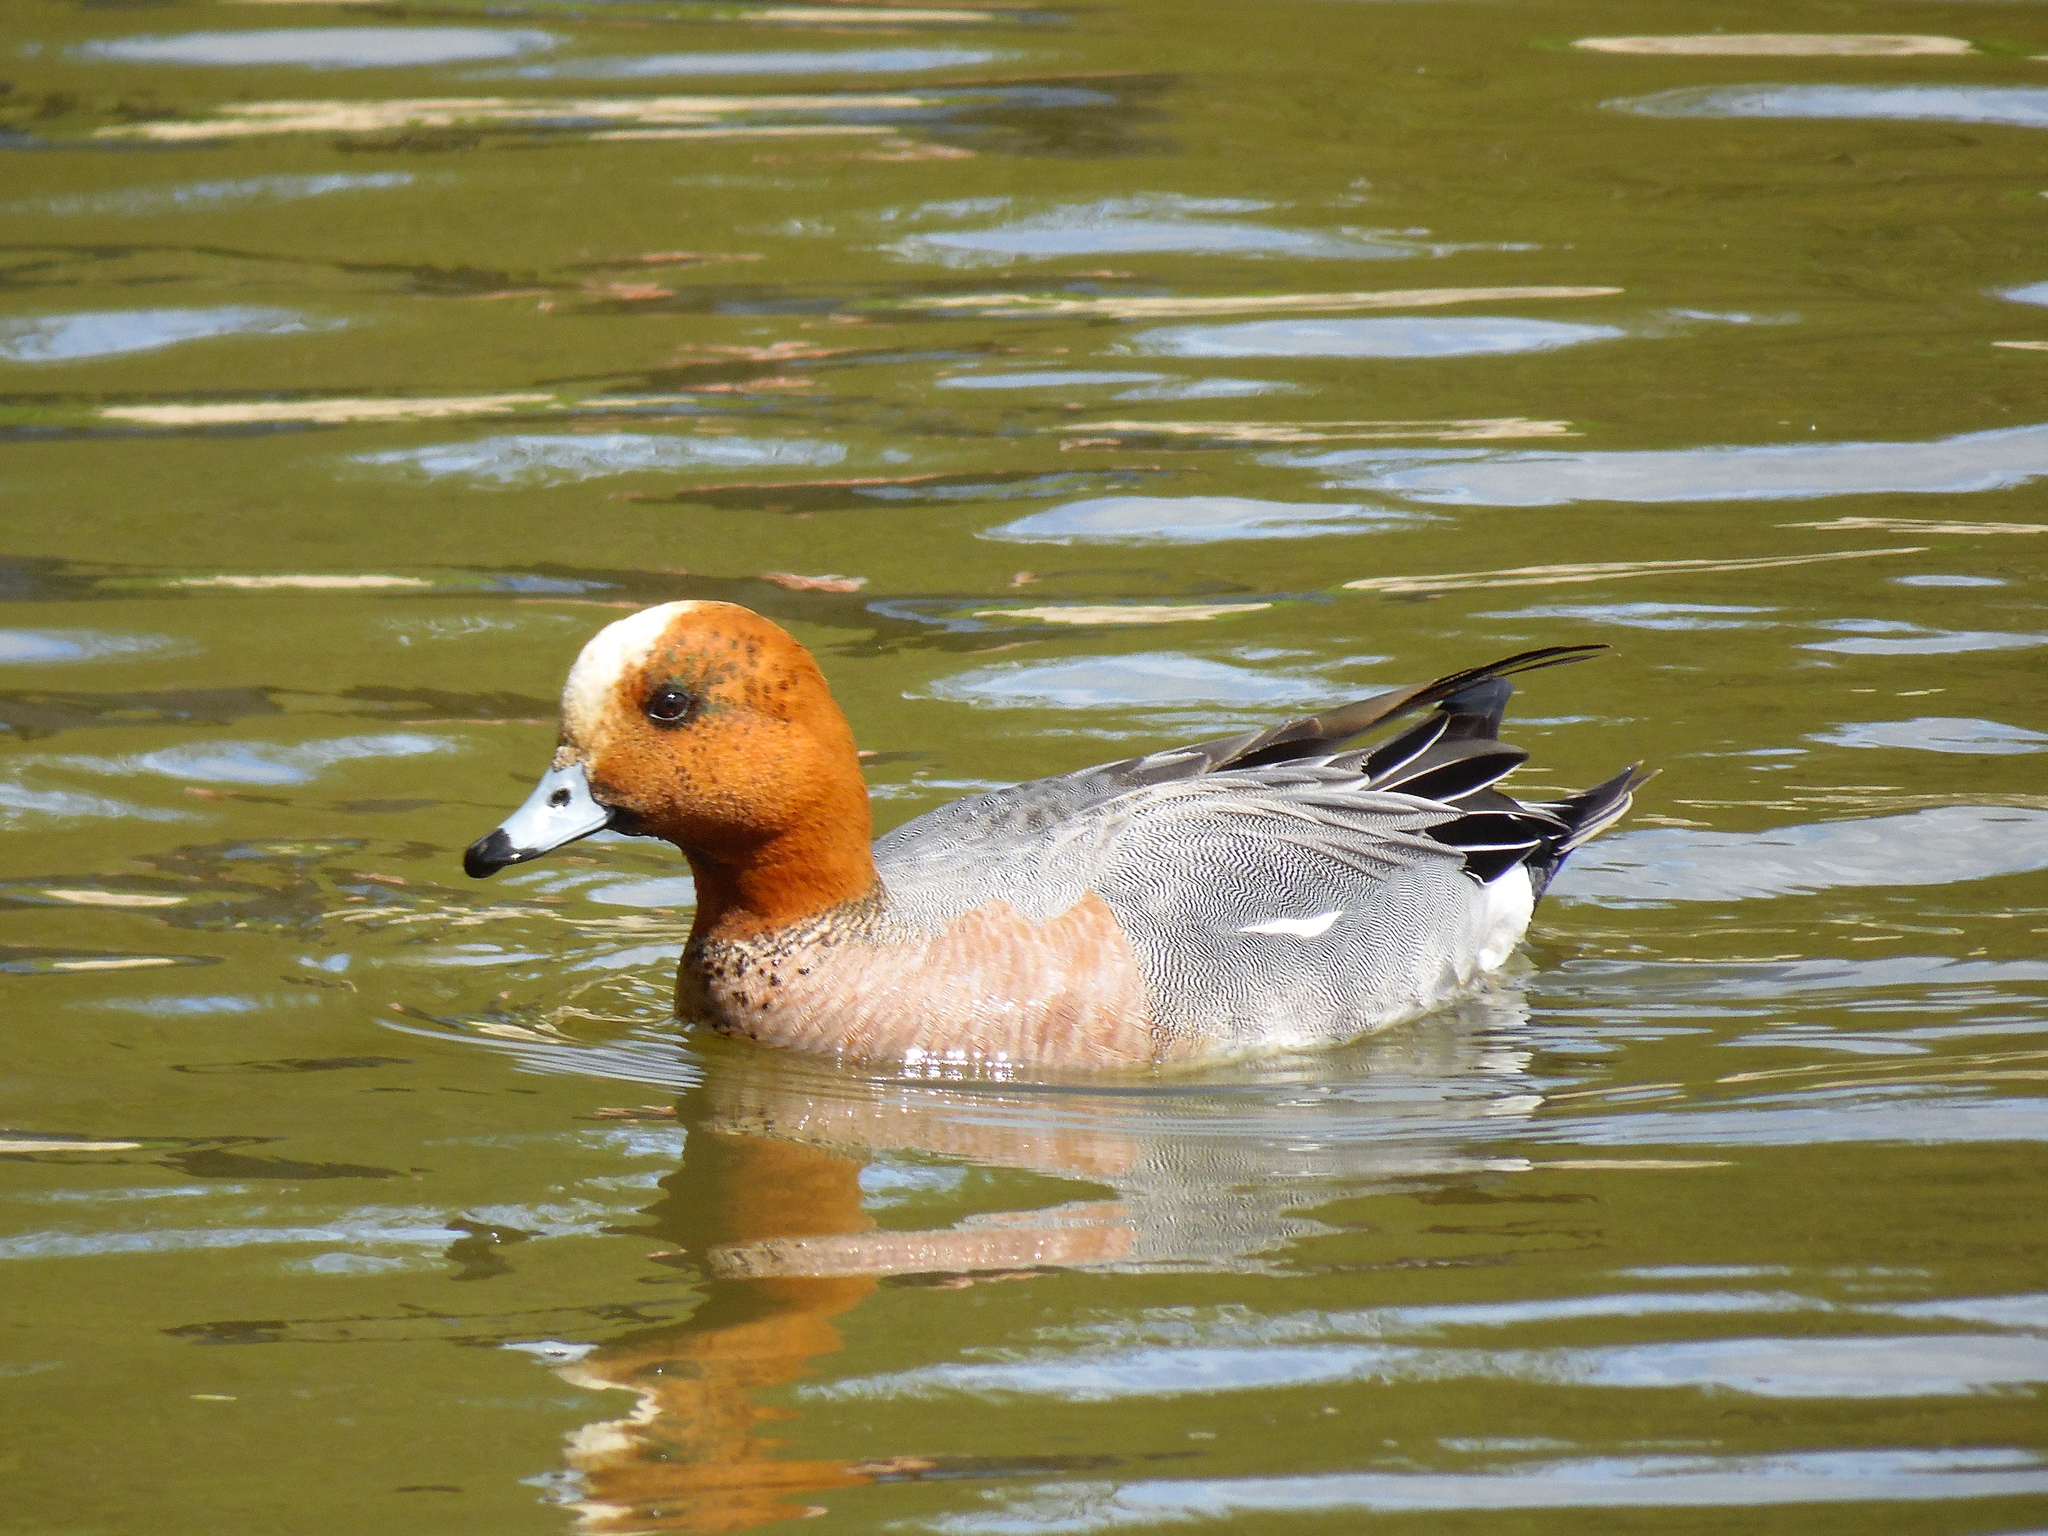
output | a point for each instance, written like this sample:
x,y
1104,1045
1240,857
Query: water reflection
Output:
x,y
252,762
42,647
563,459
249,763
1175,306
1053,378
2018,106
846,61
803,1190
1650,1481
1462,336
1210,389
1972,461
1194,520
1931,847
1155,678
605,118
1937,733
1679,616
1159,222
1850,45
1895,637
23,808
204,196
1304,1351
323,47
838,15
109,333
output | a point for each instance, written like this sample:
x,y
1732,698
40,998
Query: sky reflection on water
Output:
x,y
1053,378
658,66
1938,733
1461,336
205,196
42,647
1193,520
562,459
1971,461
1134,225
1896,637
1672,616
109,333
1931,847
323,47
1148,678
2016,106
1617,1482
1942,1365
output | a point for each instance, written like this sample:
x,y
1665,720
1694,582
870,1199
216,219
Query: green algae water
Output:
x,y
1074,380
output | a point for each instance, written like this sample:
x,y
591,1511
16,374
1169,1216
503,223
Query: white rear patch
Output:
x,y
1506,908
605,658
1297,927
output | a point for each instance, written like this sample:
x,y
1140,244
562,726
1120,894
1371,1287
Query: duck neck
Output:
x,y
785,879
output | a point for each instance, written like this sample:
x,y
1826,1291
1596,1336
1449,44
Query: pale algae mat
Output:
x,y
1073,380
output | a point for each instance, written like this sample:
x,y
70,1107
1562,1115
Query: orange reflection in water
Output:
x,y
779,1225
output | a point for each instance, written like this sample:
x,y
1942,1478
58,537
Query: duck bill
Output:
x,y
560,810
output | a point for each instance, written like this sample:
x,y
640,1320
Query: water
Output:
x,y
1072,381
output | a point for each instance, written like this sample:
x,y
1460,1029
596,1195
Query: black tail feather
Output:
x,y
1385,762
1588,814
1453,757
1451,770
1476,697
1474,714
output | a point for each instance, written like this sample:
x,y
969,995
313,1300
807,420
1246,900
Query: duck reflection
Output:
x,y
1217,1172
692,1454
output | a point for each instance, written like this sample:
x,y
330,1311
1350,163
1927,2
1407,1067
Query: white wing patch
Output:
x,y
1297,927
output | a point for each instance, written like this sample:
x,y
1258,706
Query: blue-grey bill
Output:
x,y
560,810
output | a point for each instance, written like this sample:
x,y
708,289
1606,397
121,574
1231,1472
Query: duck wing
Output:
x,y
1474,700
1450,757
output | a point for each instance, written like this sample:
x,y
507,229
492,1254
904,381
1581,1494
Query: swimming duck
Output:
x,y
1268,890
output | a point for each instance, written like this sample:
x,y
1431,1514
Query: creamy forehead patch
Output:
x,y
606,657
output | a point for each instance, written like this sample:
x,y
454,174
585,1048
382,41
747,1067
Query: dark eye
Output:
x,y
672,706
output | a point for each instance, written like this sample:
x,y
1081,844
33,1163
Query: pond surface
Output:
x,y
1073,381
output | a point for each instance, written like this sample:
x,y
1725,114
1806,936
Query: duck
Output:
x,y
1271,890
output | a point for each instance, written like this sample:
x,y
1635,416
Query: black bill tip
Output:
x,y
489,854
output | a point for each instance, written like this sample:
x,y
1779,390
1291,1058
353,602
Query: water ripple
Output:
x,y
2018,106
1456,336
1193,520
1607,1482
563,458
109,333
1973,461
322,47
1931,847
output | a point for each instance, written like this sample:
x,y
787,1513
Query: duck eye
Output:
x,y
672,706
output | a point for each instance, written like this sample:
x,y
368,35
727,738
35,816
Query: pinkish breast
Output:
x,y
990,988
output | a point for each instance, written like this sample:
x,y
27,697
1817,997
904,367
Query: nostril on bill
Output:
x,y
559,799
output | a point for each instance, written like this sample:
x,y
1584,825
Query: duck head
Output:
x,y
708,726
